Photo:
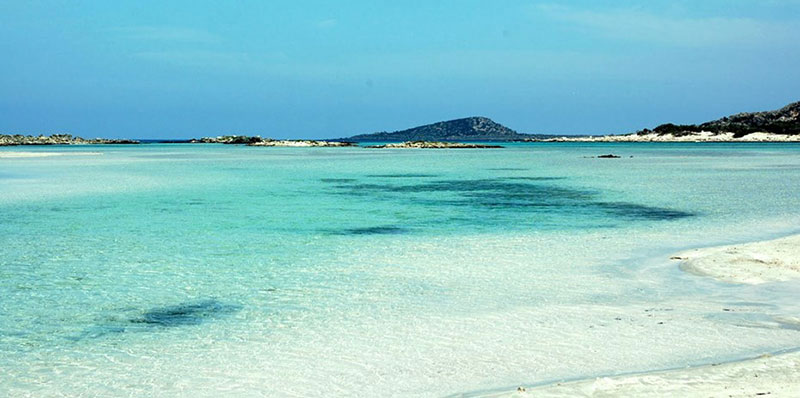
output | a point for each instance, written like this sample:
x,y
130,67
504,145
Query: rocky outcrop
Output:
x,y
302,143
227,139
57,139
433,145
467,129
258,141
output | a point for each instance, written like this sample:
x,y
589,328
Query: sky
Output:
x,y
324,69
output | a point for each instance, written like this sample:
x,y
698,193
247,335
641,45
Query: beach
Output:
x,y
199,270
769,374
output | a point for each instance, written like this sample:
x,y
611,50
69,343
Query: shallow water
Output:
x,y
200,270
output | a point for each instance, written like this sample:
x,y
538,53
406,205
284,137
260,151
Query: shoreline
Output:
x,y
705,136
771,373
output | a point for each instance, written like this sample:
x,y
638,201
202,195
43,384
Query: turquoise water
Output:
x,y
200,270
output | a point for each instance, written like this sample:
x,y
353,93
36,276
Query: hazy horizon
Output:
x,y
321,70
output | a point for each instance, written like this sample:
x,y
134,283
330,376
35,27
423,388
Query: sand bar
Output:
x,y
45,154
752,263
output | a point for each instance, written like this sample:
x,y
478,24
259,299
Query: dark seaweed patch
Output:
x,y
186,313
495,186
380,230
337,180
529,194
407,175
636,211
535,178
480,191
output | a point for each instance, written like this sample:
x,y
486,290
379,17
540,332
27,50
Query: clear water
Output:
x,y
200,270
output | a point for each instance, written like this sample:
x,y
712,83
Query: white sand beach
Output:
x,y
751,263
768,375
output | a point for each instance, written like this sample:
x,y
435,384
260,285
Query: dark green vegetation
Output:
x,y
784,121
467,129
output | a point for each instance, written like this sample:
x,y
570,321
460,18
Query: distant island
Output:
x,y
467,129
57,139
773,126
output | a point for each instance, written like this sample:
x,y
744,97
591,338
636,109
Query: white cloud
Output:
x,y
637,25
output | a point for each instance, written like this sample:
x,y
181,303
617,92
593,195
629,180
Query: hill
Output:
x,y
784,121
466,129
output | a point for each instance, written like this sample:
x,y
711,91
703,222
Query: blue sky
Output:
x,y
321,69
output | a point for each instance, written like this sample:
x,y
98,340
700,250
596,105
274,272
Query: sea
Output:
x,y
206,270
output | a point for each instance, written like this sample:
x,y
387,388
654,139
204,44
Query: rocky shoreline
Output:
x,y
57,139
781,125
703,136
434,145
302,143
258,141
